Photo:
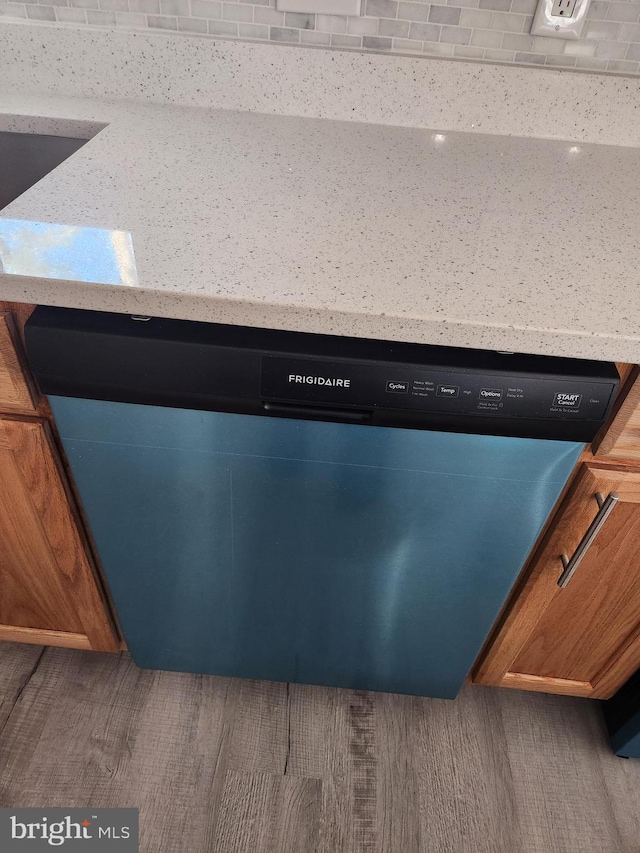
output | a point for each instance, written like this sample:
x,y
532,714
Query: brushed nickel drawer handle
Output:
x,y
570,565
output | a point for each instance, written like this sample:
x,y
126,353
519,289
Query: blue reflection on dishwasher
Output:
x,y
346,555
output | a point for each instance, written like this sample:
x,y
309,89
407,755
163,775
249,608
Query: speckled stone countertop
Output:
x,y
318,225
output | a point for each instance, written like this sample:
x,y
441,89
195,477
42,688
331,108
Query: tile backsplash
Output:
x,y
489,30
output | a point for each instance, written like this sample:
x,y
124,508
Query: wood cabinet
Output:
x,y
16,388
582,640
49,590
622,438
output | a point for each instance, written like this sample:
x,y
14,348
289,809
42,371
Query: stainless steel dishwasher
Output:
x,y
309,508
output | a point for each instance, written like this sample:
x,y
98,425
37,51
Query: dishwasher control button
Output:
x,y
395,387
568,401
491,394
448,390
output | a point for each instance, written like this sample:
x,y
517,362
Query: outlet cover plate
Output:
x,y
320,7
547,24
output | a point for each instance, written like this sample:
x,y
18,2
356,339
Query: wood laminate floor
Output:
x,y
232,766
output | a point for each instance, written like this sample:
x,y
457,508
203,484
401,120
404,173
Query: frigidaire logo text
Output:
x,y
319,380
56,833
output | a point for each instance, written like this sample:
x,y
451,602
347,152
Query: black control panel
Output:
x,y
271,373
434,390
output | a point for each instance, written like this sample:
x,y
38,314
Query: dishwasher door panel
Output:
x,y
294,550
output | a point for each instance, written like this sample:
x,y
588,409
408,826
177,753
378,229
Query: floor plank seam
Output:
x,y
286,760
23,687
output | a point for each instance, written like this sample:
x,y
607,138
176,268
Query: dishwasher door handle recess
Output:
x,y
571,564
316,413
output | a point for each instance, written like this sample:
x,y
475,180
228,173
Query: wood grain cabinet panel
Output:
x,y
622,438
584,639
48,590
16,389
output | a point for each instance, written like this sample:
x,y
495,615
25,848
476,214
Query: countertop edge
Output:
x,y
212,309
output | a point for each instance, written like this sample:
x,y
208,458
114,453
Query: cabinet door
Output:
x,y
48,592
584,639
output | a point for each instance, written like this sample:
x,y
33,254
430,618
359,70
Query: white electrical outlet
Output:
x,y
563,8
320,7
563,19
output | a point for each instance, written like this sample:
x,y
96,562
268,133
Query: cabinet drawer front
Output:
x,y
586,629
583,639
15,391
